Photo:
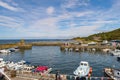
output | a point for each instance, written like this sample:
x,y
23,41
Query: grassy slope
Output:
x,y
111,35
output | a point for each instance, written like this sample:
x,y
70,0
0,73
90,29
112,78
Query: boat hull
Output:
x,y
118,58
112,73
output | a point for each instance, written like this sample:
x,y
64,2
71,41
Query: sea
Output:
x,y
65,62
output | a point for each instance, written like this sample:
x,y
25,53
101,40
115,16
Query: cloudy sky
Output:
x,y
57,18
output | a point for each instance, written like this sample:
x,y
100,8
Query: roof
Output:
x,y
84,62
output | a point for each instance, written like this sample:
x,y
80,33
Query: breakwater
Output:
x,y
47,43
20,46
24,45
78,48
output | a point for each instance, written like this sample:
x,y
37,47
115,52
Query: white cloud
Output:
x,y
49,27
50,10
105,22
12,2
74,3
10,22
7,6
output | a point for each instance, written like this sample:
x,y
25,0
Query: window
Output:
x,y
85,64
81,63
118,73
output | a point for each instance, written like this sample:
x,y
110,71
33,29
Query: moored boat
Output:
x,y
112,73
106,50
21,65
42,69
2,63
83,70
4,51
13,49
116,52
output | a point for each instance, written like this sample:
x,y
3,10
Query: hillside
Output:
x,y
111,35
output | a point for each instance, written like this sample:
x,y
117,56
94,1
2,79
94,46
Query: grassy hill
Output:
x,y
111,35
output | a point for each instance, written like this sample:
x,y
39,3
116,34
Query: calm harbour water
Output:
x,y
66,62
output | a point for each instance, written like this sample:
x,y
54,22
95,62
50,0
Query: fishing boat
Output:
x,y
83,70
112,73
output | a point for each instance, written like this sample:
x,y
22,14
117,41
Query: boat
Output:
x,y
77,49
112,73
106,50
83,70
116,52
21,65
4,51
10,65
43,69
2,63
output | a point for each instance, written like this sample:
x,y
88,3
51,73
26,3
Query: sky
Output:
x,y
57,19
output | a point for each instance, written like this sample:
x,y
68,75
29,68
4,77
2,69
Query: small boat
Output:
x,y
21,62
4,51
106,50
21,65
13,49
77,49
42,69
2,63
115,52
112,73
10,65
83,70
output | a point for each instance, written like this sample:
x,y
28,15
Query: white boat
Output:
x,y
116,52
19,66
106,50
114,74
77,49
83,69
10,65
4,51
2,63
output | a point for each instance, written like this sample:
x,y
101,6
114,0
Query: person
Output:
x,y
58,76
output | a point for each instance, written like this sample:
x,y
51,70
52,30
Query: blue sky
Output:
x,y
57,18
